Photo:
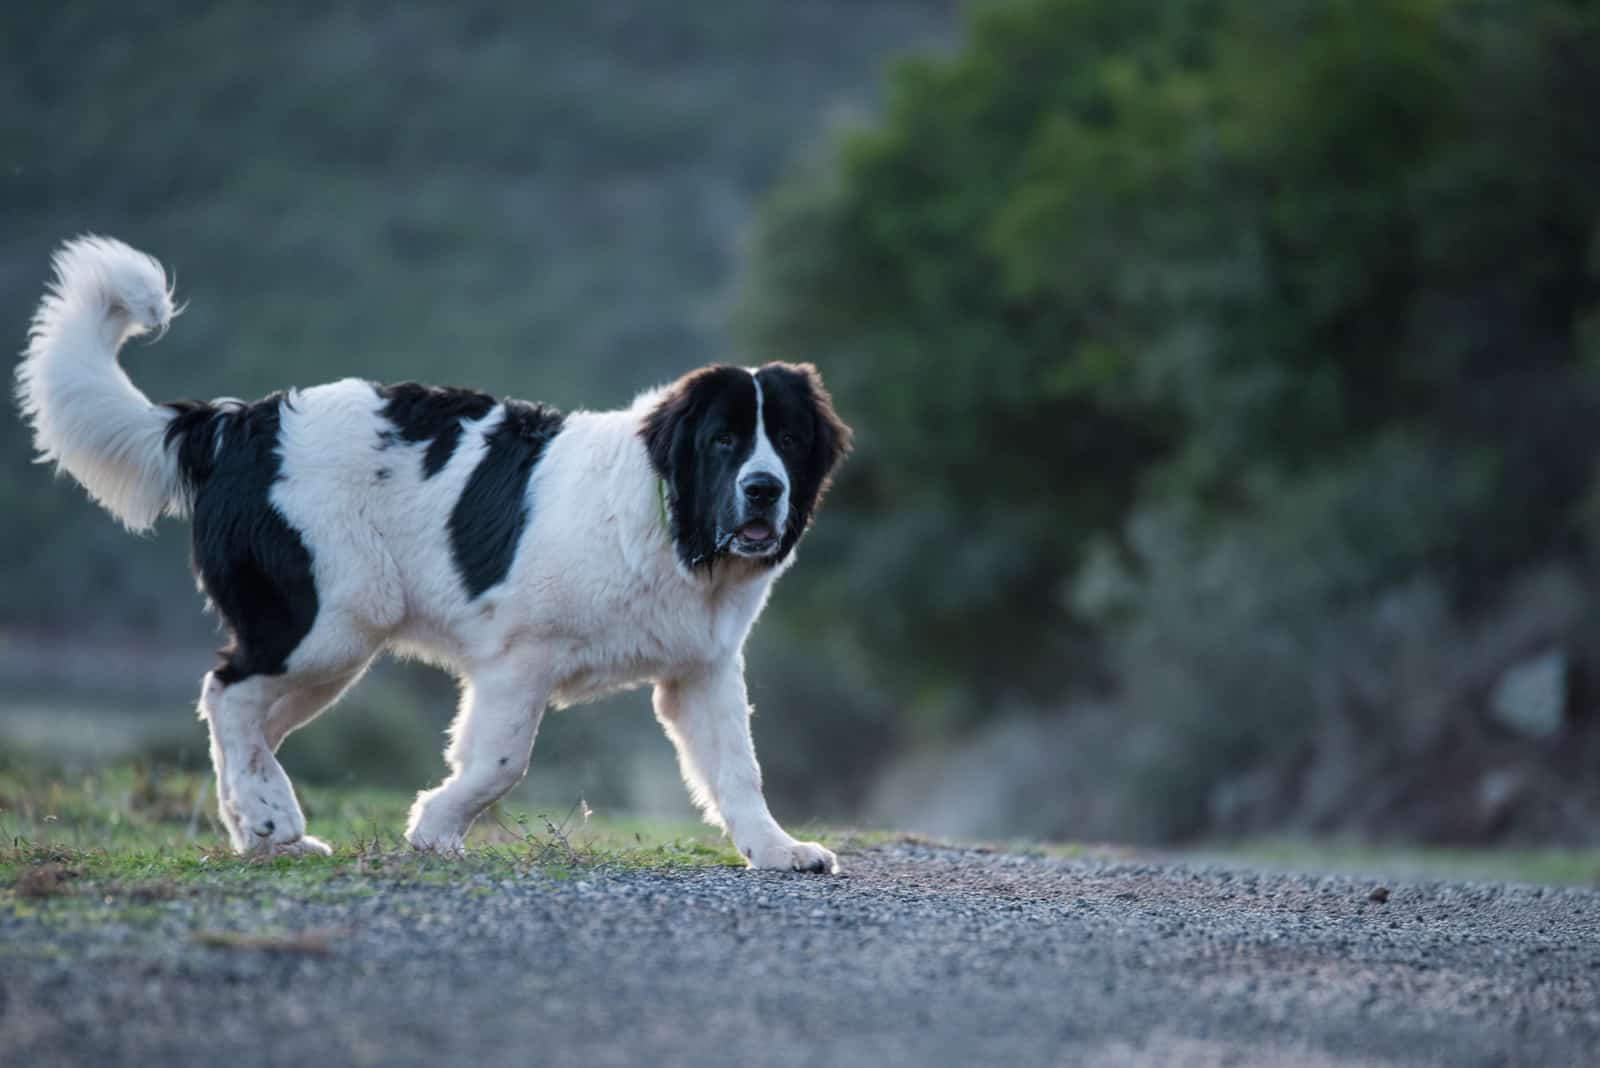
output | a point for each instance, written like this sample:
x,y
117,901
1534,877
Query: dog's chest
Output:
x,y
631,633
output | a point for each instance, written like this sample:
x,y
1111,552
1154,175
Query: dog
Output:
x,y
544,558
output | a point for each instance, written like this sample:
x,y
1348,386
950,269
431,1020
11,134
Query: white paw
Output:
x,y
794,856
261,822
444,845
432,830
436,826
305,846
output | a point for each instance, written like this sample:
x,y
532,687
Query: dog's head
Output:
x,y
746,456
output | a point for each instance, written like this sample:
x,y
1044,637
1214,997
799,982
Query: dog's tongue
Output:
x,y
755,530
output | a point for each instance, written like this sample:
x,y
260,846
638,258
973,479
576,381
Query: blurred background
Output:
x,y
1226,376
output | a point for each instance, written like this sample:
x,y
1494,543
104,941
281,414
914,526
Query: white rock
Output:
x,y
1531,697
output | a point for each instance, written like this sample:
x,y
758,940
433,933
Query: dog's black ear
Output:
x,y
664,427
833,437
668,433
829,439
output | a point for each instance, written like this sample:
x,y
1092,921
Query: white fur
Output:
x,y
596,599
87,417
764,459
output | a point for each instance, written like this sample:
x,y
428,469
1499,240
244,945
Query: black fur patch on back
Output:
x,y
492,512
253,565
432,414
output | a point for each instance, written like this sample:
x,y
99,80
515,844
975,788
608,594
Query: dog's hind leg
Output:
x,y
490,743
254,797
297,708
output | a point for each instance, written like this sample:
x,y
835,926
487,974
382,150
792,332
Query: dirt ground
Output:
x,y
917,954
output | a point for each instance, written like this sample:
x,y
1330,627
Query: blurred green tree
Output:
x,y
1190,256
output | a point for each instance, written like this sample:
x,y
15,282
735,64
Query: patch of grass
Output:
x,y
138,835
47,879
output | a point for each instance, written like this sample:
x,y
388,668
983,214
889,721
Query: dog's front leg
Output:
x,y
707,716
490,743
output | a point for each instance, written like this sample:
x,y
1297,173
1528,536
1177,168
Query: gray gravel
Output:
x,y
917,955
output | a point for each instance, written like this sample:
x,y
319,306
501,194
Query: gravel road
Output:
x,y
917,955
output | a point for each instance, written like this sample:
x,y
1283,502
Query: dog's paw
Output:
x,y
795,856
425,837
271,846
442,846
436,825
305,846
263,823
429,834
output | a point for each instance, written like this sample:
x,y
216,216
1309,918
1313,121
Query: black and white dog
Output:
x,y
544,558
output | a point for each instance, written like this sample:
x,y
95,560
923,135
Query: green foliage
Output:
x,y
1323,266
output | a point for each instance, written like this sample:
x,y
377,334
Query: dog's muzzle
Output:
x,y
761,514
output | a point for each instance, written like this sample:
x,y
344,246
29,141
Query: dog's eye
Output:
x,y
724,440
787,441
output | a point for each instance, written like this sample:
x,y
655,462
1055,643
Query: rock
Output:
x,y
1531,698
1498,791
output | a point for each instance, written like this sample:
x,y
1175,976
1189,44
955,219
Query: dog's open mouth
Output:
x,y
755,535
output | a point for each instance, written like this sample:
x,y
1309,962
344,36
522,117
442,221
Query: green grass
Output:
x,y
131,837
147,834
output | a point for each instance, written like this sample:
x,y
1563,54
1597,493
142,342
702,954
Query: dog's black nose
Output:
x,y
761,488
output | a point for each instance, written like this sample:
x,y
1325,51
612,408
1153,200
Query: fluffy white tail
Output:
x,y
87,417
